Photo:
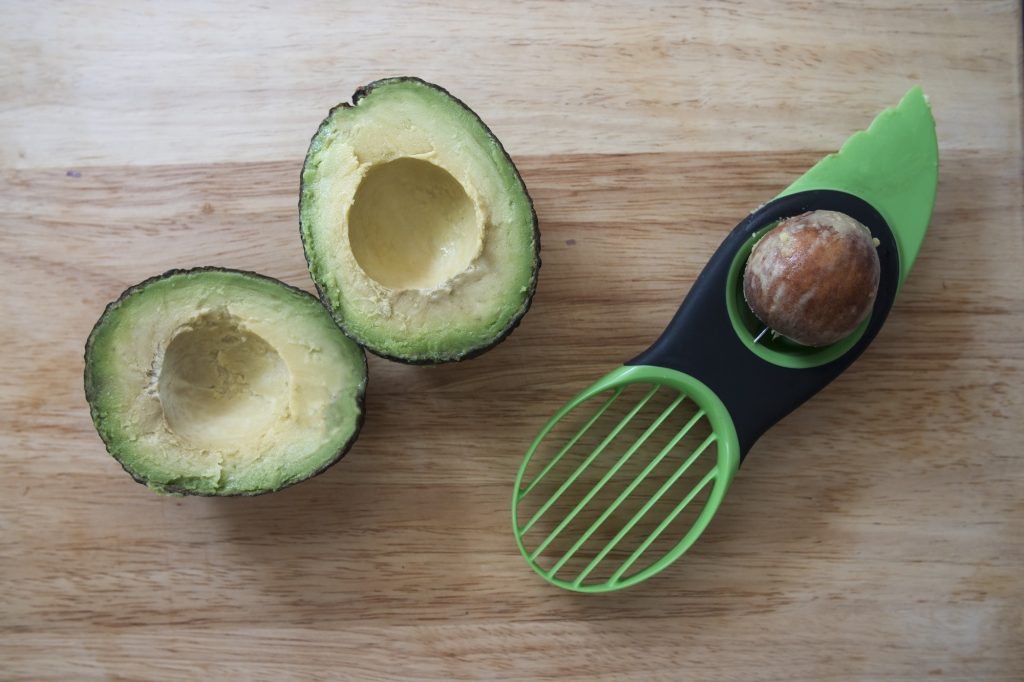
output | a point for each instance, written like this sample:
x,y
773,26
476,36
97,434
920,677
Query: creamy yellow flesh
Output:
x,y
225,386
417,227
412,225
220,383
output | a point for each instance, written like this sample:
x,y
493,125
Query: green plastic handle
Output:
x,y
894,166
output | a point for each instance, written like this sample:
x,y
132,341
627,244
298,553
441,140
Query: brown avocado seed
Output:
x,y
813,278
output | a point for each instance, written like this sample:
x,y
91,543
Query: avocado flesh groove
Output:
x,y
894,166
408,148
222,382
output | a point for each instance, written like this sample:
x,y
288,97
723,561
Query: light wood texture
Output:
x,y
877,533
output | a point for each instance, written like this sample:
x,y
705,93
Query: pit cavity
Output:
x,y
412,225
220,384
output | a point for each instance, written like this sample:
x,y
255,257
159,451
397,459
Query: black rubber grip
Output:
x,y
702,342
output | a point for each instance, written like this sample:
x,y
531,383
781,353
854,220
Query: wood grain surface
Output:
x,y
875,534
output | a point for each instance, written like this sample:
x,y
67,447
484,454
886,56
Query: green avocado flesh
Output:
x,y
418,230
220,382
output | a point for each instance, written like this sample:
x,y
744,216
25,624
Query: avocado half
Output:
x,y
222,382
418,230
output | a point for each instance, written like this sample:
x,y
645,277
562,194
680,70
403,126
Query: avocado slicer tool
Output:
x,y
611,503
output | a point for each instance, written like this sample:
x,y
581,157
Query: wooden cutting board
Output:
x,y
875,534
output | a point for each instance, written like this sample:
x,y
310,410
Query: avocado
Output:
x,y
222,382
418,230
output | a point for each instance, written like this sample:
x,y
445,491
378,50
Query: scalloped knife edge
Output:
x,y
894,166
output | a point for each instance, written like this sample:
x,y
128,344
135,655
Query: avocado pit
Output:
x,y
813,278
412,225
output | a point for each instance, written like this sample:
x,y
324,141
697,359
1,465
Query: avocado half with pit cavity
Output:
x,y
222,382
418,230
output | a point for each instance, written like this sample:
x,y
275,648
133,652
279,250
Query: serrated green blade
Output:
x,y
894,166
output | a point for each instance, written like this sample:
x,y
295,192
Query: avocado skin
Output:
x,y
361,92
90,388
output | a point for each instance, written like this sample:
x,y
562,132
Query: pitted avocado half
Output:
x,y
418,230
222,382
